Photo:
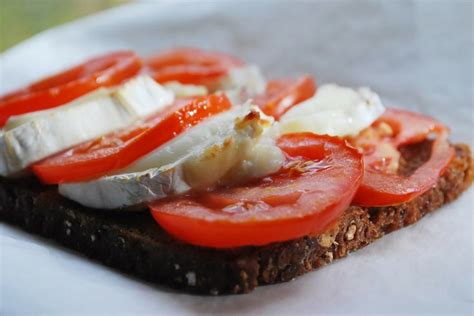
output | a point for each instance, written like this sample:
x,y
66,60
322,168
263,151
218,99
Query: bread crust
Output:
x,y
135,244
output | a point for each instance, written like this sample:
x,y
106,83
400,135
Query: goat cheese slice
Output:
x,y
31,137
182,90
334,110
229,148
243,83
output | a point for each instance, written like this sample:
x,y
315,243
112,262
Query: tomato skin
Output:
x,y
119,149
190,66
220,234
103,71
280,207
380,188
282,94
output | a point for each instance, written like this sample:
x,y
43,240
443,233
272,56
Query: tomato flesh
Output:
x,y
119,149
282,94
56,90
191,66
304,197
382,188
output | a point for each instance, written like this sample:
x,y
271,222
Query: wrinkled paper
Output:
x,y
415,54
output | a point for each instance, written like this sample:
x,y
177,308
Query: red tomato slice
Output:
x,y
103,71
303,198
191,66
119,149
282,94
379,188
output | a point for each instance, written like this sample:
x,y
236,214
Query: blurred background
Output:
x,y
21,19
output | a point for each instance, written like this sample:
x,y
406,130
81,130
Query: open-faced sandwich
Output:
x,y
188,169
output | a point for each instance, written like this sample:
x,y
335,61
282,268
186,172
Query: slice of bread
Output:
x,y
134,243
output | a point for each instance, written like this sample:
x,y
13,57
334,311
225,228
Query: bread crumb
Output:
x,y
176,266
243,275
68,231
92,237
236,289
351,232
191,276
329,256
67,223
327,239
122,241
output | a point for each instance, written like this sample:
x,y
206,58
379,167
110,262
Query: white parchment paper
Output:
x,y
415,54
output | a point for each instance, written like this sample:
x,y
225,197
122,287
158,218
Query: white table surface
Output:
x,y
416,55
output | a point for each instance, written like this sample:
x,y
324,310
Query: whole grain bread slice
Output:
x,y
135,244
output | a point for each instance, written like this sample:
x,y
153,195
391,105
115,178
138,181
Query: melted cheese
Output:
x,y
334,110
232,147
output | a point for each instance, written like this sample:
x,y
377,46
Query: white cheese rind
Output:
x,y
4,160
218,151
35,136
17,120
334,110
127,189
